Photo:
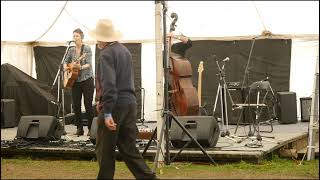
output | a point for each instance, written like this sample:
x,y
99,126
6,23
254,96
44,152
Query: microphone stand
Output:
x,y
59,78
246,78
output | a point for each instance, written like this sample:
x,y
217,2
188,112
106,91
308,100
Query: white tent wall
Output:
x,y
20,56
303,61
29,21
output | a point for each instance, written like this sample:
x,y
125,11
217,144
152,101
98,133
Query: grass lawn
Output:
x,y
29,168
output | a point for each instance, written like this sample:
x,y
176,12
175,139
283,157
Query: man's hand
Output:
x,y
110,124
98,107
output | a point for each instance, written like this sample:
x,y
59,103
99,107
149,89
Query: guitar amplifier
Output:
x,y
234,115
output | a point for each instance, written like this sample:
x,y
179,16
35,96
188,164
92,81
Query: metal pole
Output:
x,y
159,81
314,115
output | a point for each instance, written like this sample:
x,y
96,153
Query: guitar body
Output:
x,y
70,76
185,98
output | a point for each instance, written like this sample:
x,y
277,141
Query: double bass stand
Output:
x,y
59,78
222,94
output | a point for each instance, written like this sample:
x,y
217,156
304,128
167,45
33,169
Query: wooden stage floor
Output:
x,y
286,136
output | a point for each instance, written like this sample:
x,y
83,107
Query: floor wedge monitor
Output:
x,y
204,129
39,127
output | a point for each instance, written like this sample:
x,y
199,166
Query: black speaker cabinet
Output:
x,y
238,98
305,107
8,113
287,107
39,127
204,129
93,130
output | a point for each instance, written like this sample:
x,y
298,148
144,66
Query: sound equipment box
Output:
x,y
204,129
39,127
8,113
238,97
286,107
305,107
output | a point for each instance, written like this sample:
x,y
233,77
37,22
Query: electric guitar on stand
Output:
x,y
200,70
71,75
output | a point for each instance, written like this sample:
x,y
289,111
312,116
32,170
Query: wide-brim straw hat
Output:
x,y
105,31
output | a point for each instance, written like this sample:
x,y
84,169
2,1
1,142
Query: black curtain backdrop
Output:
x,y
270,57
48,60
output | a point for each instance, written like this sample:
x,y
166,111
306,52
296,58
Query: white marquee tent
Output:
x,y
25,24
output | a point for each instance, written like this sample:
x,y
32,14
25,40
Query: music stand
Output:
x,y
259,86
59,78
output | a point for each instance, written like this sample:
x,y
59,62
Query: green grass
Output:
x,y
277,168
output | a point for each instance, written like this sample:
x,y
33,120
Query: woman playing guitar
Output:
x,y
78,64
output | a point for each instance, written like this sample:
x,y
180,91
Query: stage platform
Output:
x,y
287,137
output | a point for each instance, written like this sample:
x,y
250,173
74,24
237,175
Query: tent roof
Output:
x,y
50,21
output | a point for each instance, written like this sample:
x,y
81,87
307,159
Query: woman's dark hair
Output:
x,y
78,30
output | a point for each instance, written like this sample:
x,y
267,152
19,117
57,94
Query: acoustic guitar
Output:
x,y
200,70
71,75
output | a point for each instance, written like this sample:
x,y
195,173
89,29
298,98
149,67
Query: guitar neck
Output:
x,y
82,57
199,87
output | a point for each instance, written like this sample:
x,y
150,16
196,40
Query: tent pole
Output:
x,y
314,115
159,77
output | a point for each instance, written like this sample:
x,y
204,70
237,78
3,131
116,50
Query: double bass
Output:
x,y
184,96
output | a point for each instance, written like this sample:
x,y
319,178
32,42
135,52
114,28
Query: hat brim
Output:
x,y
116,36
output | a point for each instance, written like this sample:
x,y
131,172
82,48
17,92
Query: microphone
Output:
x,y
226,59
265,79
70,41
54,102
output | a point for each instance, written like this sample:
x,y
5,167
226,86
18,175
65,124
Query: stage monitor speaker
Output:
x,y
8,113
286,107
204,129
39,127
305,107
93,130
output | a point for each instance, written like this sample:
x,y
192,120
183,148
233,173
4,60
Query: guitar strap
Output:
x,y
81,53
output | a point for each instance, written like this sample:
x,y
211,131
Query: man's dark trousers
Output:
x,y
125,139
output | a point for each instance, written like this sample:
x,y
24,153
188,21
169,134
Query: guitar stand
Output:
x,y
222,94
143,101
59,77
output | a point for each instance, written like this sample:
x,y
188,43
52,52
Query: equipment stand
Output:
x,y
168,116
222,93
59,77
256,125
250,135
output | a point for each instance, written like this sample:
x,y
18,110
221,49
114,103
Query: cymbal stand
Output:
x,y
222,94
